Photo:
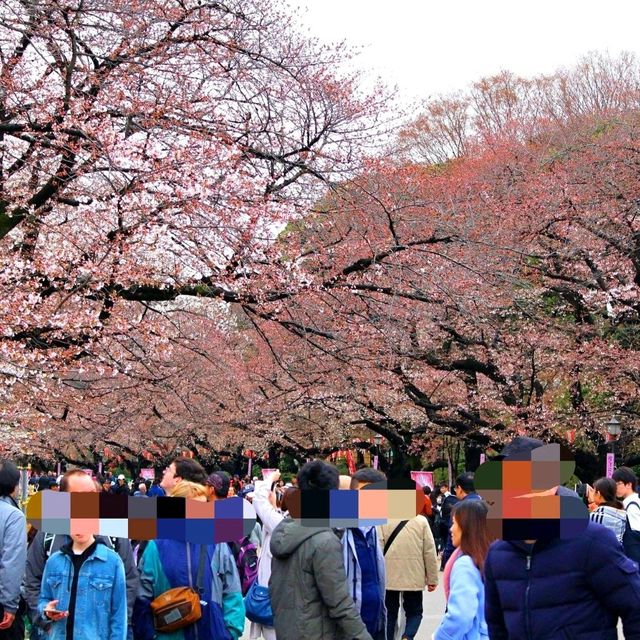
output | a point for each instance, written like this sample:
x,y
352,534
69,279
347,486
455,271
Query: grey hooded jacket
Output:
x,y
13,553
308,586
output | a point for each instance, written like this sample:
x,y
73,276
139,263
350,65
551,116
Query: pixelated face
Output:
x,y
80,483
522,495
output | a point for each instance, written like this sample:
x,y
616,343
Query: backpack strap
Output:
x,y
47,543
200,576
394,534
636,504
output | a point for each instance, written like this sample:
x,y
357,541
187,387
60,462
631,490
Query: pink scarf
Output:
x,y
446,576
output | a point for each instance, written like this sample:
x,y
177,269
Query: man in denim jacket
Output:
x,y
84,592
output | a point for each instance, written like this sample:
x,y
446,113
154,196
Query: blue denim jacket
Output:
x,y
101,600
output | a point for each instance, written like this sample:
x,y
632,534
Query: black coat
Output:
x,y
571,589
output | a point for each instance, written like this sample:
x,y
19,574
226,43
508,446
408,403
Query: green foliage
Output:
x,y
288,465
293,227
341,463
627,335
596,399
603,127
553,305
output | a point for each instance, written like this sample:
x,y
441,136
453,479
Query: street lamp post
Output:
x,y
614,428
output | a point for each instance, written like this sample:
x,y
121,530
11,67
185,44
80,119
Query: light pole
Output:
x,y
614,428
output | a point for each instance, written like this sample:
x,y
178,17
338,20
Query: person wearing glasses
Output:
x,y
626,482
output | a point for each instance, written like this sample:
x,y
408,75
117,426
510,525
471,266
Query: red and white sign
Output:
x,y
267,472
422,478
147,474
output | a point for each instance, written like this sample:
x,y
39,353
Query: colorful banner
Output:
x,y
148,474
422,478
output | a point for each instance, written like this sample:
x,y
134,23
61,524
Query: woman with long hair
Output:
x,y
463,584
609,511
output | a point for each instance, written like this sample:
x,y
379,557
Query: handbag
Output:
x,y
180,607
257,604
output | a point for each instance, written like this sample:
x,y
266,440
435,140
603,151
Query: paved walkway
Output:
x,y
433,608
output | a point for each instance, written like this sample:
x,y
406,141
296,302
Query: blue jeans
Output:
x,y
412,605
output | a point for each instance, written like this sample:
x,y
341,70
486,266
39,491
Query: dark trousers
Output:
x,y
412,605
16,630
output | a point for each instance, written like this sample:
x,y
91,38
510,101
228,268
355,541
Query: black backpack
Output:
x,y
631,538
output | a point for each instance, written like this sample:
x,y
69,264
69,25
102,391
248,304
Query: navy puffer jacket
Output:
x,y
572,589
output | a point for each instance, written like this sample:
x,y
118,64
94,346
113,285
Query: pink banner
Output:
x,y
148,474
610,464
267,472
422,478
483,458
89,472
375,462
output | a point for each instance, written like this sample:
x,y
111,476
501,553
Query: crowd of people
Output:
x,y
293,581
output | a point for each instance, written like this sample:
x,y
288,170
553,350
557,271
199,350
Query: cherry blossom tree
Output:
x,y
152,151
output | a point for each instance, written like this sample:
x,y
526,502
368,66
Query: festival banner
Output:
x,y
610,464
148,474
422,478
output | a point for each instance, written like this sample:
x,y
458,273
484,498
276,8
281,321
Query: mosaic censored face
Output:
x,y
526,498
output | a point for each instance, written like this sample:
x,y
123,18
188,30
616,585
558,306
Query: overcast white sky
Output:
x,y
428,47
